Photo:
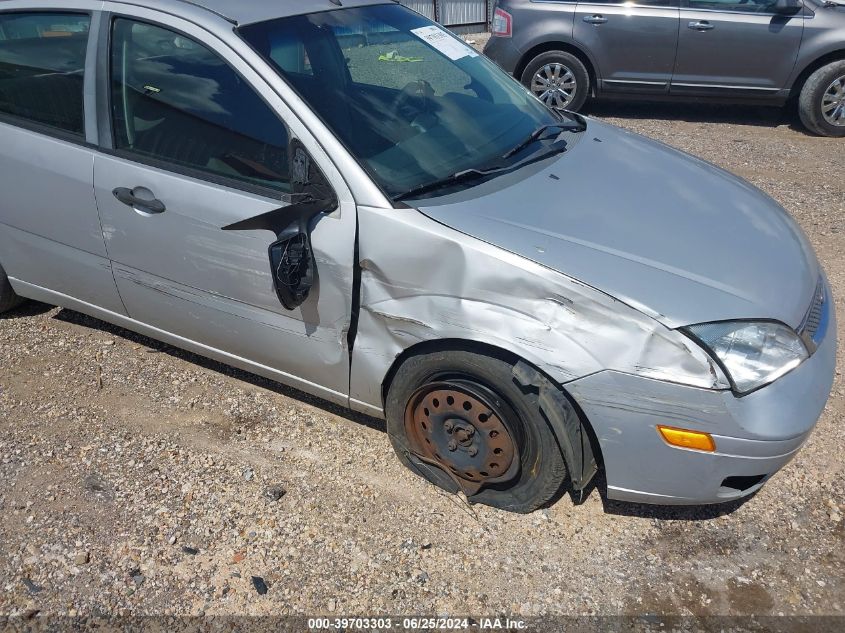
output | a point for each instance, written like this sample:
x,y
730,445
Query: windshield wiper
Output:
x,y
579,125
474,174
461,176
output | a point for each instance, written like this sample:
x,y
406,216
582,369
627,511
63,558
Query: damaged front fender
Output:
x,y
422,281
568,428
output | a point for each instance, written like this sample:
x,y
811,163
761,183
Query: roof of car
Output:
x,y
249,11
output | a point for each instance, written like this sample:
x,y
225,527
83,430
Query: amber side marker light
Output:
x,y
682,438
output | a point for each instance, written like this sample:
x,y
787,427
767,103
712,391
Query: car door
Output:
x,y
51,243
633,45
200,143
735,48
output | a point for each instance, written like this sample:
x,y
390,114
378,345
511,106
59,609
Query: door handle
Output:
x,y
595,19
701,25
128,197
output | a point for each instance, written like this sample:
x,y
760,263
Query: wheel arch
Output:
x,y
810,68
444,345
576,438
557,45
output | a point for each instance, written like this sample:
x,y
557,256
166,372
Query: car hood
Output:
x,y
669,234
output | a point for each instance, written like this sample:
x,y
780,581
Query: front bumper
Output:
x,y
755,435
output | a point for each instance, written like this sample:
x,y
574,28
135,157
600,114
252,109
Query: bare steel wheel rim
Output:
x,y
555,85
457,427
833,103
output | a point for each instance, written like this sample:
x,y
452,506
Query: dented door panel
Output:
x,y
177,269
180,272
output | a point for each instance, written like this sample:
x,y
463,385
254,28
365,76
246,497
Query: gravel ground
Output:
x,y
136,478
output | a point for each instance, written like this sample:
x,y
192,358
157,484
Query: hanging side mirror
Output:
x,y
292,262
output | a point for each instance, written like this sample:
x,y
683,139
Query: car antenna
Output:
x,y
337,2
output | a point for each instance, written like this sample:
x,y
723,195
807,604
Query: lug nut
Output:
x,y
448,426
472,451
453,445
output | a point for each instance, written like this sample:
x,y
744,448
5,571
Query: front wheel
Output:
x,y
558,79
821,104
462,422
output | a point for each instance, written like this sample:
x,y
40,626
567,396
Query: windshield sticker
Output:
x,y
437,38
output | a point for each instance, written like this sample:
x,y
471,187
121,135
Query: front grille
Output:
x,y
815,323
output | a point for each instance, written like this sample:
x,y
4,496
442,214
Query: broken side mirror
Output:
x,y
292,262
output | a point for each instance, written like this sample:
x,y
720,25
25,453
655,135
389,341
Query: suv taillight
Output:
x,y
502,23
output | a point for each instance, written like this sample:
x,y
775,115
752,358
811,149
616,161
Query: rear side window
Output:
x,y
175,101
42,68
739,6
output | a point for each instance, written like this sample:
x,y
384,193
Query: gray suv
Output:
x,y
750,51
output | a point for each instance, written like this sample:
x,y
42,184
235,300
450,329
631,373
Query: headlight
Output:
x,y
753,353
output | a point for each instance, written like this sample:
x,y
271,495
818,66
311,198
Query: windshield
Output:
x,y
412,102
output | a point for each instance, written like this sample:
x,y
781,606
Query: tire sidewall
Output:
x,y
582,77
810,100
541,463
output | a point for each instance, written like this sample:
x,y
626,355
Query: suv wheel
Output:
x,y
558,79
461,421
822,101
8,298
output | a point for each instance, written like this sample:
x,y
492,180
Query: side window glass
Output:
x,y
42,67
175,101
742,6
671,4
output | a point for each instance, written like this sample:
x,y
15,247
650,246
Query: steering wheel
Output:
x,y
414,100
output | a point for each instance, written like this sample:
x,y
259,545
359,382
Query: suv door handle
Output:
x,y
701,25
595,19
128,197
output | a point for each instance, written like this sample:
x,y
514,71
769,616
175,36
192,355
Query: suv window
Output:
x,y
42,68
742,6
175,101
